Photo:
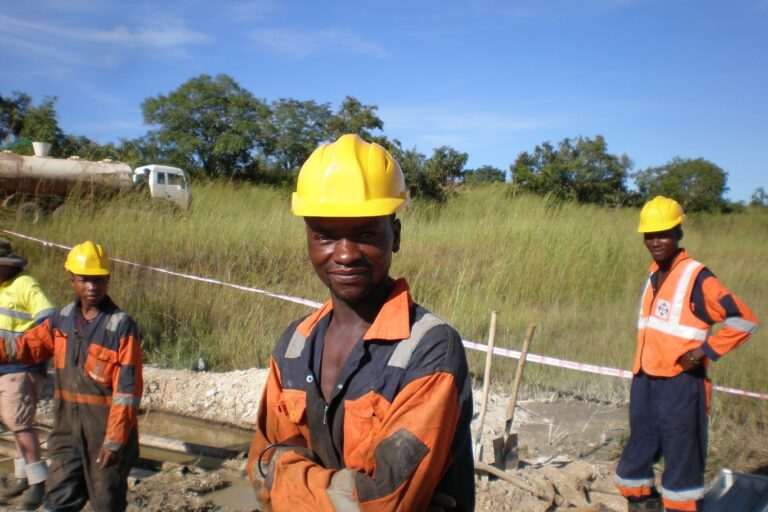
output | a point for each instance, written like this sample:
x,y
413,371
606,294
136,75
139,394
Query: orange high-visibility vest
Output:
x,y
666,326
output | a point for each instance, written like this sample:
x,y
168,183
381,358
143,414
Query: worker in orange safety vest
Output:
x,y
368,401
670,391
96,353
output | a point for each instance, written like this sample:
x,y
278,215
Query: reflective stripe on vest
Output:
x,y
672,311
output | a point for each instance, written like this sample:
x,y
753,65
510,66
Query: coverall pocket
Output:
x,y
293,403
59,349
100,365
362,424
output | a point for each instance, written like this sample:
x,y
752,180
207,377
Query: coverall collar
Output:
x,y
392,323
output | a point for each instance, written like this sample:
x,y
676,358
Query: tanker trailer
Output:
x,y
36,185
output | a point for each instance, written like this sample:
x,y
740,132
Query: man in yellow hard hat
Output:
x,y
368,401
96,354
22,306
669,396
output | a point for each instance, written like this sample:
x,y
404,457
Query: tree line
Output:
x,y
214,128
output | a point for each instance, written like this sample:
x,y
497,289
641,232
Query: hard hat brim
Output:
x,y
659,226
88,272
369,208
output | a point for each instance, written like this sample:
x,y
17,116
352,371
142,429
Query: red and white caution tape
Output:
x,y
503,352
288,298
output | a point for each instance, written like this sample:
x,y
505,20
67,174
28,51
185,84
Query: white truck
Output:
x,y
38,184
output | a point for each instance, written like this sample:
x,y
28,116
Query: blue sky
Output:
x,y
657,79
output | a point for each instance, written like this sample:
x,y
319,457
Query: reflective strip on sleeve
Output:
x,y
126,400
114,321
341,492
111,445
402,353
740,324
296,345
42,315
15,314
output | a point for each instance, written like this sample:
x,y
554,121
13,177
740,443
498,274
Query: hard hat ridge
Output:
x,y
349,178
87,259
660,214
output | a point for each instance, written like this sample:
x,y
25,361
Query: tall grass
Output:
x,y
573,270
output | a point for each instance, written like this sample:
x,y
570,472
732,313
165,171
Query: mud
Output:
x,y
567,449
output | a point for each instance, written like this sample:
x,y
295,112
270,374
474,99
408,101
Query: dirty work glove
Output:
x,y
441,502
278,450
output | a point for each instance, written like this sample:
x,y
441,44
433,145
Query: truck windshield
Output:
x,y
176,179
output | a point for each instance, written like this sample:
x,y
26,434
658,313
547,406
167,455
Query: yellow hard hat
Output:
x,y
660,214
87,259
349,178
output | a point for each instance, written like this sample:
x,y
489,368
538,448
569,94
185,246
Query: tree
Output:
x,y
441,171
354,117
759,198
12,110
212,124
698,185
293,130
40,124
580,170
484,174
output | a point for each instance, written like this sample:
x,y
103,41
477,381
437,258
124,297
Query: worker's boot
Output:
x,y
37,473
20,484
645,504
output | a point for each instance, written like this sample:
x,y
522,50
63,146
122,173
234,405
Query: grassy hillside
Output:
x,y
575,271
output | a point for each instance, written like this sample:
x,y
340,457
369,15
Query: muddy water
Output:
x,y
235,495
191,431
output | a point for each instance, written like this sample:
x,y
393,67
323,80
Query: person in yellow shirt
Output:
x,y
22,306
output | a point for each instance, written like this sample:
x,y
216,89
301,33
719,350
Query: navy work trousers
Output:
x,y
668,418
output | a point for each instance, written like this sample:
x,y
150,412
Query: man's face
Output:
x,y
662,245
90,289
352,256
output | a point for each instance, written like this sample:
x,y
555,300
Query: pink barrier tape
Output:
x,y
180,274
503,352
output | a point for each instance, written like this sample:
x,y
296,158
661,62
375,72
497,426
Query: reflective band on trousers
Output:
x,y
672,324
686,495
634,483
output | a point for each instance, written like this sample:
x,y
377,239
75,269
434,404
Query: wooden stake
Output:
x,y
486,385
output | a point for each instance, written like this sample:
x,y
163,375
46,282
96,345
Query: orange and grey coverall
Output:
x,y
97,391
668,407
396,429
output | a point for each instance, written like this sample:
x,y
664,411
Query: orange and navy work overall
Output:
x,y
97,391
668,407
396,428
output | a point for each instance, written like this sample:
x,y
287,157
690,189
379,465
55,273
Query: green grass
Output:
x,y
573,270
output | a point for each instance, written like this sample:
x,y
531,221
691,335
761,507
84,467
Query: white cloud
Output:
x,y
301,43
167,34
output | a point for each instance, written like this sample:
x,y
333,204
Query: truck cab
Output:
x,y
164,182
